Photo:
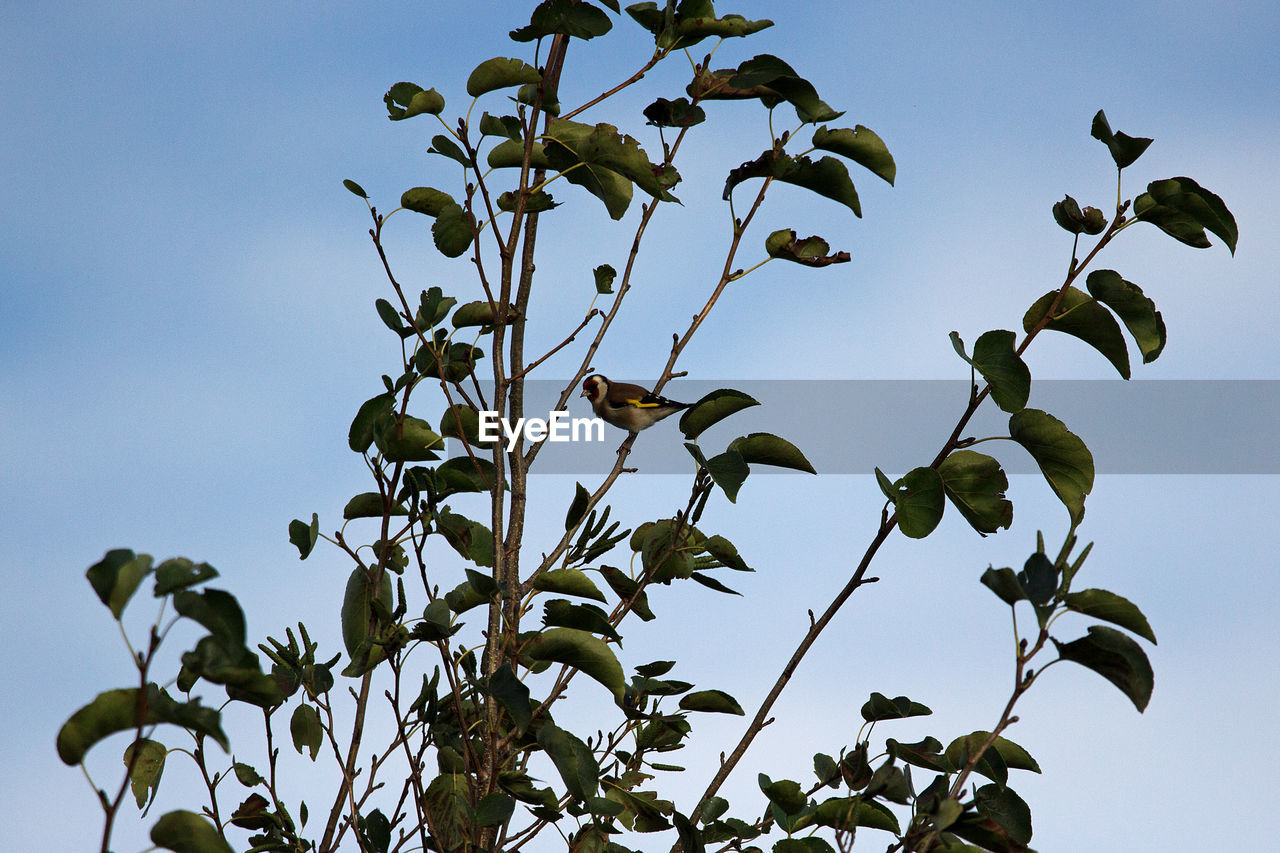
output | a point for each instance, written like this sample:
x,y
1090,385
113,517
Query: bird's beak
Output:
x,y
584,393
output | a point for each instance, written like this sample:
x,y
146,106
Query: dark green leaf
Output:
x,y
1085,318
217,611
779,77
881,707
357,607
1115,657
369,505
1001,805
927,754
847,813
512,694
785,794
426,200
371,411
604,276
1124,149
448,810
1068,214
187,832
116,576
499,73
573,758
677,113
1063,458
726,553
509,154
728,470
598,151
453,230
715,701
303,536
688,26
862,146
567,582
810,251
305,728
569,17
581,650
404,438
762,448
918,500
494,809
119,710
179,573
405,100
975,485
1136,311
354,188
711,583
1109,607
1012,756
1004,370
505,126
247,775
1004,583
585,617
713,408
462,422
628,590
444,146
1183,209
147,758
469,538
1039,578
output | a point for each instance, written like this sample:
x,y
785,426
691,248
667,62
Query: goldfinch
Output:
x,y
627,406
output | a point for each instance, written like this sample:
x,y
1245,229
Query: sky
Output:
x,y
187,328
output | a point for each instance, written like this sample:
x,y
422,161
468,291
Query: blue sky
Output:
x,y
186,328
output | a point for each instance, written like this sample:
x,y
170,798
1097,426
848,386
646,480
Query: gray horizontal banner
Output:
x,y
853,426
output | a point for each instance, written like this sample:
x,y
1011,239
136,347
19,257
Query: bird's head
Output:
x,y
594,387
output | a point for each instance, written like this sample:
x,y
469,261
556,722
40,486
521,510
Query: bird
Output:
x,y
627,406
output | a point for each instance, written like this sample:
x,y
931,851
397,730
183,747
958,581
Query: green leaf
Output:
x,y
355,188
187,832
712,701
462,422
512,694
448,810
1039,578
1001,805
217,611
810,252
505,126
369,505
1109,607
567,582
357,607
494,809
580,650
574,19
499,73
771,72
360,436
305,728
1136,311
847,813
303,536
677,113
1124,149
1115,657
389,316
1085,318
862,146
509,154
711,583
1068,214
118,710
927,754
1003,369
1004,583
606,163
179,573
713,408
446,147
1011,754
664,555
479,313
881,707
573,758
426,200
975,484
404,438
1063,458
116,576
762,448
147,757
469,538
688,26
405,100
725,552
453,230
628,590
1183,209
828,177
604,276
786,794
918,499
560,613
247,775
